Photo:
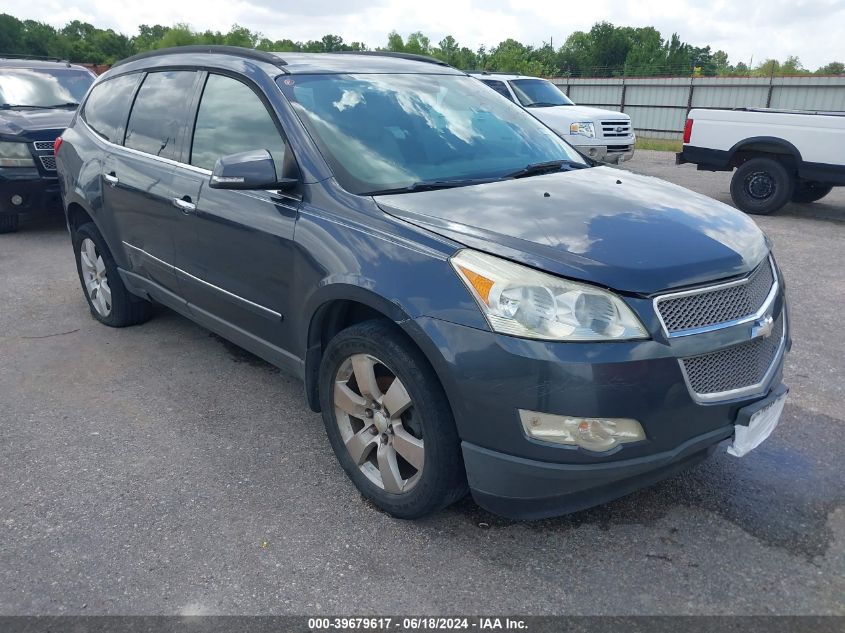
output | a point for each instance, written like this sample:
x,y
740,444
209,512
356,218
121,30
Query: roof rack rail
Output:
x,y
409,56
40,58
492,72
249,53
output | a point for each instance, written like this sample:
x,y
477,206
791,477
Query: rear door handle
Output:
x,y
184,204
111,178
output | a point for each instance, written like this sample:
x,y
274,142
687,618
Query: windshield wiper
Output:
x,y
430,185
11,106
535,169
543,104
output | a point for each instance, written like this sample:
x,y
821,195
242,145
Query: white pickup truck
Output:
x,y
779,155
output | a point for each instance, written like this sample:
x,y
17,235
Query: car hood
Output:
x,y
34,122
564,115
628,232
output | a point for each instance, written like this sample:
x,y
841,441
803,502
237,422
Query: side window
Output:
x,y
232,119
159,112
498,86
107,106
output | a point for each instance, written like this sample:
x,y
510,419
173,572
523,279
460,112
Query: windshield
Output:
x,y
43,88
380,131
535,93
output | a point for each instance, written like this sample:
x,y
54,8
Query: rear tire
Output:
x,y
109,300
761,186
808,191
406,460
8,222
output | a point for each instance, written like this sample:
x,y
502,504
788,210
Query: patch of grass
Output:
x,y
659,144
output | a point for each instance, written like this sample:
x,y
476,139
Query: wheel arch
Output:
x,y
762,146
340,306
77,215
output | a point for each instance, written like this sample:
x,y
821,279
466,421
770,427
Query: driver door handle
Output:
x,y
111,178
185,204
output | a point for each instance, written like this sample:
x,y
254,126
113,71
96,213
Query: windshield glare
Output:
x,y
538,92
380,131
42,88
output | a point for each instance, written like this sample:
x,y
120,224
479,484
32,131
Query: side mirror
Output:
x,y
255,169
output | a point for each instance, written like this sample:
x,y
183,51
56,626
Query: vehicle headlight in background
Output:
x,y
584,128
524,302
15,155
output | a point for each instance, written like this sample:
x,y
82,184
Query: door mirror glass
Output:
x,y
255,169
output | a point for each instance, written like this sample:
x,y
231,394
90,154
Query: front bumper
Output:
x,y
607,153
528,489
37,193
488,377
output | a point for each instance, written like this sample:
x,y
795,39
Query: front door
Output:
x,y
235,264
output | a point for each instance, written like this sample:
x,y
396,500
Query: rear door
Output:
x,y
236,259
138,187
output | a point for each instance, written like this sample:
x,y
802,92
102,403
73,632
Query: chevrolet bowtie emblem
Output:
x,y
763,327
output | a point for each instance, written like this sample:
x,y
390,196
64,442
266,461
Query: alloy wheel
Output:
x,y
375,416
95,278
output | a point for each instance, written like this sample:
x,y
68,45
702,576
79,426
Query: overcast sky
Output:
x,y
814,30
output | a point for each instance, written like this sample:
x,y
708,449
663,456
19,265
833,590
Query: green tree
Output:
x,y
418,44
177,35
721,63
395,43
148,36
646,56
792,66
679,57
833,68
11,30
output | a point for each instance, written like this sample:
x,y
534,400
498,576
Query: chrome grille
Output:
x,y
43,146
738,369
721,304
614,129
49,162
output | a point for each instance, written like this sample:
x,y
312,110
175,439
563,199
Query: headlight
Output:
x,y
584,128
15,155
521,301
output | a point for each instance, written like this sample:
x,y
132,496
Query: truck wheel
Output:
x,y
389,422
110,302
761,186
809,191
8,223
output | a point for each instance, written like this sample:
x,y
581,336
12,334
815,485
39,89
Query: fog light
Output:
x,y
593,151
17,200
595,434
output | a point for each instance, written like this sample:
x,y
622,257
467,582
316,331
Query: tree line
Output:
x,y
605,50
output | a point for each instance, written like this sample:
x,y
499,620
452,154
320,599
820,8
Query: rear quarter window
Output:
x,y
107,106
159,114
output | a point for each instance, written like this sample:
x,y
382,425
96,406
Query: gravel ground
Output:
x,y
159,469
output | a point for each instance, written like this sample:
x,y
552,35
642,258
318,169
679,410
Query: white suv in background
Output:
x,y
603,135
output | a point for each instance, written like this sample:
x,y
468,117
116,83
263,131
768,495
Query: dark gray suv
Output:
x,y
470,303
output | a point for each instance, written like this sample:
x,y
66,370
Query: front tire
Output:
x,y
761,186
389,422
109,300
807,191
8,222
